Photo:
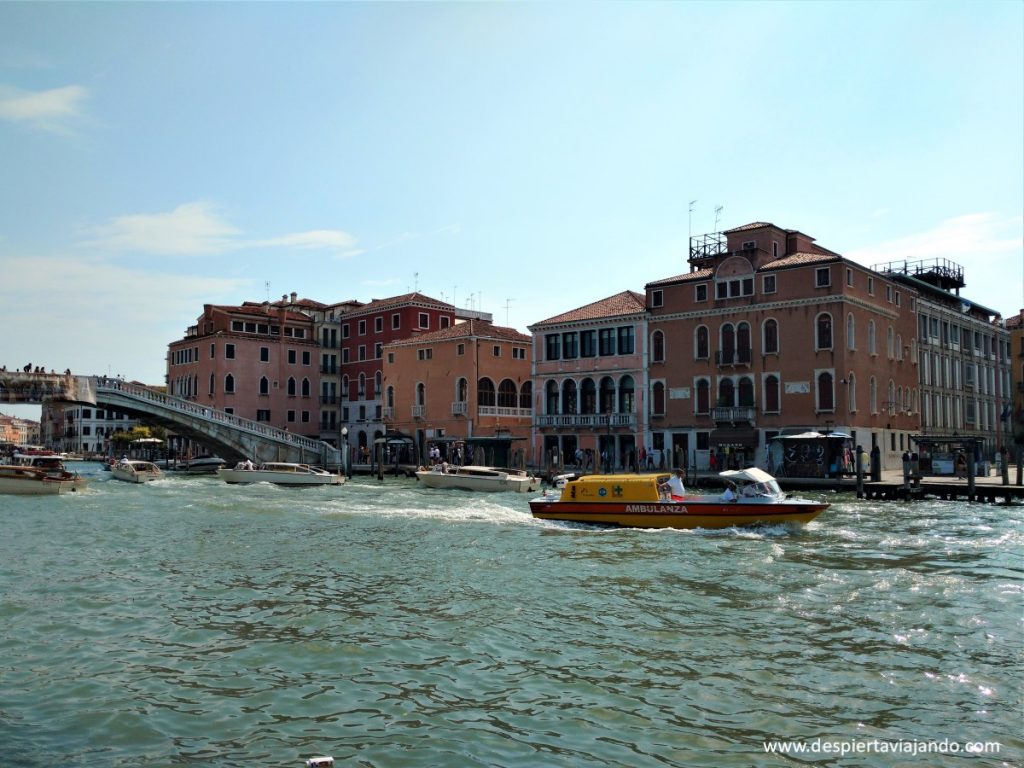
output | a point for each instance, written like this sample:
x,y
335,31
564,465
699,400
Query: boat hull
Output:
x,y
36,486
135,476
459,482
686,514
289,479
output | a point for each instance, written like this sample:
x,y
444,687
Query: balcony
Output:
x,y
734,415
499,410
733,357
388,414
328,399
460,408
330,369
586,420
419,411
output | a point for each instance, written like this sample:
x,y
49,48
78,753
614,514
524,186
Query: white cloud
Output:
x,y
50,110
195,229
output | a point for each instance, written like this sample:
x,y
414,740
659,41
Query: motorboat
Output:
x,y
200,465
24,480
136,471
474,478
279,473
640,501
53,465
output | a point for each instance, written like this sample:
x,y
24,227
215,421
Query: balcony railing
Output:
x,y
419,411
328,399
329,369
460,408
387,413
586,420
733,357
500,410
743,414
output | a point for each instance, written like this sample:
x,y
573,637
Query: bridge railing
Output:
x,y
180,405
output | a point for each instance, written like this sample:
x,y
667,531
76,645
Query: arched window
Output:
x,y
627,398
746,392
607,394
873,395
823,326
771,394
391,397
305,387
899,347
658,347
291,386
229,383
551,398
461,390
421,394
890,344
770,332
264,385
702,345
727,343
588,397
726,393
872,344
851,336
213,382
378,378
658,398
703,399
569,403
826,392
344,387
362,386
526,396
851,392
507,394
485,392
891,398
744,347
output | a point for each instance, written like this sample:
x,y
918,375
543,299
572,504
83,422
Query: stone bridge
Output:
x,y
229,436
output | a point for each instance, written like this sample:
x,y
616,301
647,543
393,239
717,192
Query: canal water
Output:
x,y
192,623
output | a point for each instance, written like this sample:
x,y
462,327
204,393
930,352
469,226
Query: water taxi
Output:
x,y
53,465
136,471
473,478
640,501
35,481
279,473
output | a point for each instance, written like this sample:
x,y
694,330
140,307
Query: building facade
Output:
x,y
469,380
590,380
82,429
258,361
770,333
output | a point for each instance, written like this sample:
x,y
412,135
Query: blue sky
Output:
x,y
520,158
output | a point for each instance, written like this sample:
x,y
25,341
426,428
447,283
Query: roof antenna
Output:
x,y
508,301
718,215
266,284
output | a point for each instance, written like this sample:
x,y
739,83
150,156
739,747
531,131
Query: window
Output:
x,y
236,325
229,384
362,328
768,284
658,398
771,394
264,354
305,417
306,359
588,343
291,416
606,342
871,286
770,343
888,293
496,350
460,349
378,350
344,331
229,351
396,321
703,399
485,392
518,353
378,325
570,345
361,352
213,382
657,299
702,344
344,355
626,342
424,320
658,348
849,277
262,415
822,277
305,388
700,292
292,357
391,357
553,346
823,325
425,354
264,385
851,336
445,321
872,346
291,386
213,351
826,394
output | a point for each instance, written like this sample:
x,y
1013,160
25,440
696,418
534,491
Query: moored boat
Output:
x,y
474,478
136,471
24,480
279,473
638,501
53,465
200,465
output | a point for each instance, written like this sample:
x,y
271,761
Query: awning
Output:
x,y
734,437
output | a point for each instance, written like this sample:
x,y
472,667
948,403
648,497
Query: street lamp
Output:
x,y
344,456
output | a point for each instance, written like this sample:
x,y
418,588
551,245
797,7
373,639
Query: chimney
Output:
x,y
294,296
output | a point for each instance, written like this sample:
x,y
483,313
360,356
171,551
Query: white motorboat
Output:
x,y
201,465
473,478
33,481
136,471
279,473
53,465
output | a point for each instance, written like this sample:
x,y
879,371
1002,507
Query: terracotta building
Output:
x,y
257,361
590,374
469,382
769,331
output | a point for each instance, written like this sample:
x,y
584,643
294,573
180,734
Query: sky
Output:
x,y
522,159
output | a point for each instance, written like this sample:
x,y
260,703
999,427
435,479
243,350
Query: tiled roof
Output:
x,y
686,277
799,259
466,330
625,303
262,310
752,225
415,297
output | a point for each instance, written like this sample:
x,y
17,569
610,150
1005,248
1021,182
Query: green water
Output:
x,y
191,623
